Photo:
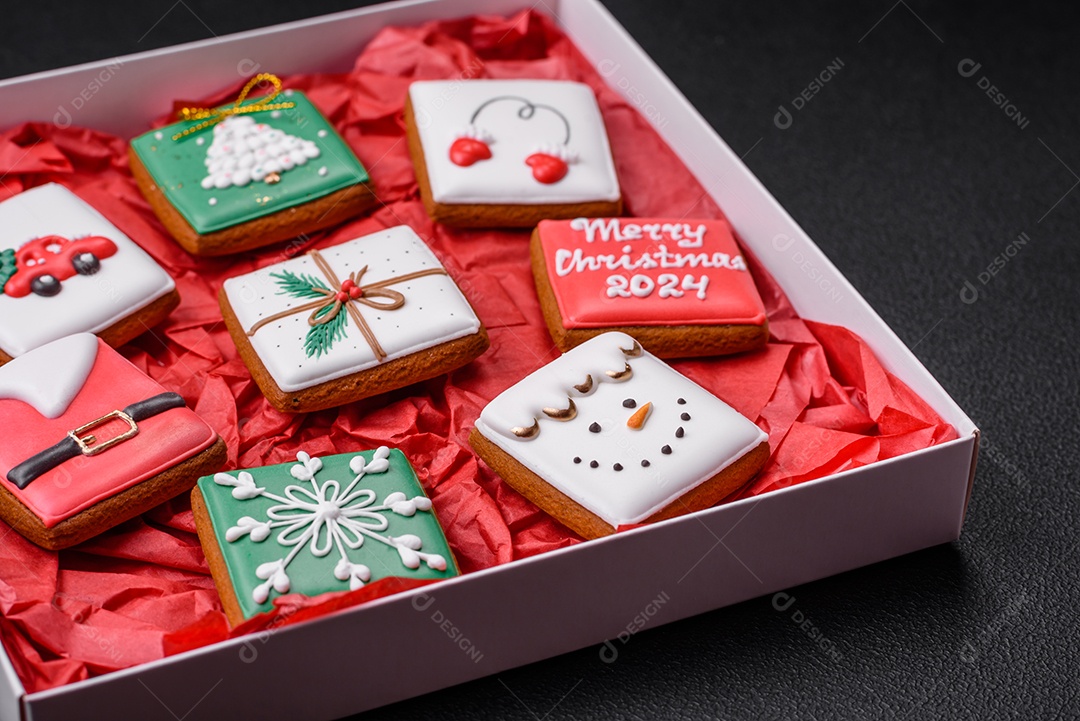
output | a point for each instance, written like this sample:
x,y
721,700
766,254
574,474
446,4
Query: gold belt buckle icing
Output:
x,y
86,443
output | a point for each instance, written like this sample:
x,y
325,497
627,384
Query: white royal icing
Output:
x,y
562,152
476,133
435,311
48,378
244,151
714,436
443,108
126,282
321,517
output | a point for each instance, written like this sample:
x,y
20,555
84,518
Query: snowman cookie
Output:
x,y
509,153
251,178
608,436
680,287
65,269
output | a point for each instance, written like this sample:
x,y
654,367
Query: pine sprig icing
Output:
x,y
298,285
321,337
7,267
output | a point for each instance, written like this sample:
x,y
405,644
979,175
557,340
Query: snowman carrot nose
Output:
x,y
638,418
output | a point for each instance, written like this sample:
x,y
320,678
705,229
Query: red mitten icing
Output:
x,y
551,163
466,151
473,144
547,168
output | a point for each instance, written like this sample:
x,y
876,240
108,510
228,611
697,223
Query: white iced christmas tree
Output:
x,y
244,151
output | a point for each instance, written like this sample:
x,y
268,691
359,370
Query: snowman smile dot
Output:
x,y
666,450
645,463
593,464
594,428
681,401
685,416
617,466
577,459
679,433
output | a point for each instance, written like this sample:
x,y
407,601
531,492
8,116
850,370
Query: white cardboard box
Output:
x,y
457,630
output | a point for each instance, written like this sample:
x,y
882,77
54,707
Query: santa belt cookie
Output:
x,y
75,444
104,466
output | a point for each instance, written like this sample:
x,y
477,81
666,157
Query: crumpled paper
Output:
x,y
142,590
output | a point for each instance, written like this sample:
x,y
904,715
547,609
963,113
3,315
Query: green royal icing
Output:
x,y
178,168
8,267
307,572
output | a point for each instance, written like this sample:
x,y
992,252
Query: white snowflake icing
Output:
x,y
323,517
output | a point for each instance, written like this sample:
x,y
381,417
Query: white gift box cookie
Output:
x,y
65,269
511,152
608,435
349,321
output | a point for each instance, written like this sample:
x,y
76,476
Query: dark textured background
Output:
x,y
912,180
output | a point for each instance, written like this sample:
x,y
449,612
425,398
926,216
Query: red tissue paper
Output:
x,y
142,590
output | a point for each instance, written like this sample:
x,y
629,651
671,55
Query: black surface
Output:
x,y
913,181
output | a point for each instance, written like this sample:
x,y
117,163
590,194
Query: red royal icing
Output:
x,y
466,151
648,271
53,255
163,441
547,168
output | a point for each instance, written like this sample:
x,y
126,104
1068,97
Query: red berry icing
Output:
x,y
547,168
355,292
466,151
342,296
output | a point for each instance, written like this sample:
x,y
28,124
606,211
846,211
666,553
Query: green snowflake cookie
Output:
x,y
320,525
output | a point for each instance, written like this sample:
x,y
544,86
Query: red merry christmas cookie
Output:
x,y
680,287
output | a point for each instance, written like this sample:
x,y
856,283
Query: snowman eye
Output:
x,y
594,428
629,403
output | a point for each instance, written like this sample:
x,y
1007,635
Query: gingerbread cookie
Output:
x,y
66,269
315,526
350,321
509,153
608,435
249,174
90,441
680,287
